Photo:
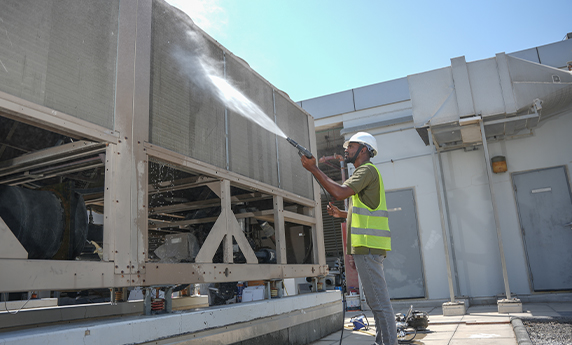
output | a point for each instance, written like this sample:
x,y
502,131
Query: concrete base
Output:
x,y
454,308
465,300
506,306
299,319
36,314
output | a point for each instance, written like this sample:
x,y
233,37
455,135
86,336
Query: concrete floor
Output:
x,y
481,325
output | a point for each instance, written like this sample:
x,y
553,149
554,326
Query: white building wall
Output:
x,y
550,146
472,224
471,214
405,162
416,173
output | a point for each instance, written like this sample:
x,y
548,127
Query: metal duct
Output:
x,y
497,89
532,81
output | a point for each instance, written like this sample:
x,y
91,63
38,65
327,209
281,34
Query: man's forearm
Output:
x,y
337,191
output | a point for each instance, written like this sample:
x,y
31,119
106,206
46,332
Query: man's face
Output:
x,y
350,152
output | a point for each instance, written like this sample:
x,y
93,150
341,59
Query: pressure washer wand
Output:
x,y
301,149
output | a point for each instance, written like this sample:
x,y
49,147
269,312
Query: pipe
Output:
x,y
443,224
495,211
335,156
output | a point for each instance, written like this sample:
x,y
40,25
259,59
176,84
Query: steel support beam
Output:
x,y
280,230
225,228
37,115
10,247
129,162
54,275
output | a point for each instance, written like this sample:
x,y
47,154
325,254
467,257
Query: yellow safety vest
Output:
x,y
370,227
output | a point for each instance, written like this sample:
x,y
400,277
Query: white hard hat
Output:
x,y
363,138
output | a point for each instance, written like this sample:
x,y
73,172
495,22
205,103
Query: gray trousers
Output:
x,y
370,269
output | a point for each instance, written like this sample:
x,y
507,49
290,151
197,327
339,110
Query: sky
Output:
x,y
312,48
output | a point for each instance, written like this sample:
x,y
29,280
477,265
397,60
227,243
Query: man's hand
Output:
x,y
351,261
308,163
335,212
337,191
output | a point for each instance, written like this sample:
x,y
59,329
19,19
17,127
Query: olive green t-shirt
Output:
x,y
365,183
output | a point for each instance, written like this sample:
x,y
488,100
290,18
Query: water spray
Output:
x,y
301,149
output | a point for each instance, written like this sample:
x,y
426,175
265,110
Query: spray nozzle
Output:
x,y
301,149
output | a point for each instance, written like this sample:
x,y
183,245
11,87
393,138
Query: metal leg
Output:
x,y
169,299
147,301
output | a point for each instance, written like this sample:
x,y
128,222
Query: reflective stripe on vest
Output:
x,y
370,227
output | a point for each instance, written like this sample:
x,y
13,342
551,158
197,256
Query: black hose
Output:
x,y
343,316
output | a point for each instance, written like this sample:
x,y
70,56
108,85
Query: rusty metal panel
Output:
x,y
62,55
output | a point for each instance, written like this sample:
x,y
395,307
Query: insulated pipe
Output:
x,y
495,211
443,225
335,156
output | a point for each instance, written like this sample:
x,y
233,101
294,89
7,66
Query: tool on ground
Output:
x,y
301,149
408,325
360,321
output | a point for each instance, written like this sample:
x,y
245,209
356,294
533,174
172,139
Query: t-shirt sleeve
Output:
x,y
359,180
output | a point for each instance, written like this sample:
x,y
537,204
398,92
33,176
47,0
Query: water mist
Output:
x,y
203,71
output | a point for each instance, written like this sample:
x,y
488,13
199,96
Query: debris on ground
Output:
x,y
549,331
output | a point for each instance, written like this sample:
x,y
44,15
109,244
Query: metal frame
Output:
x,y
127,153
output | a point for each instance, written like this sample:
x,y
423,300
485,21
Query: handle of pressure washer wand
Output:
x,y
303,152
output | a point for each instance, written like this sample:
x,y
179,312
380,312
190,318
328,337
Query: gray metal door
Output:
x,y
403,268
545,212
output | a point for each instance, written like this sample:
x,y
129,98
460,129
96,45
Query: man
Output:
x,y
367,228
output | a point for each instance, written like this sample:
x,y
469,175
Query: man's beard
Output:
x,y
348,159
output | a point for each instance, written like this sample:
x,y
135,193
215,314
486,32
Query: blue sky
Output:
x,y
312,48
